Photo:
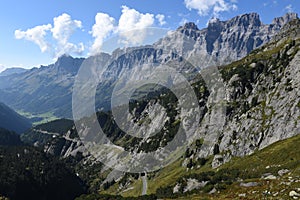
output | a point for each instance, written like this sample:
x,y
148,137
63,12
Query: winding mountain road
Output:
x,y
145,184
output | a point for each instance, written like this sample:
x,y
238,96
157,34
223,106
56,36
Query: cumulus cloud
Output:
x,y
204,7
132,25
36,35
104,25
161,19
131,28
63,28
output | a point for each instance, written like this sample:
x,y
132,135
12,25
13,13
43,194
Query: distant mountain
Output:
x,y
11,120
11,71
48,89
44,89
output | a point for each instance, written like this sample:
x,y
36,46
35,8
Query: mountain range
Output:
x,y
262,108
48,89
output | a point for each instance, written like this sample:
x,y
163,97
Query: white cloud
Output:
x,y
132,25
131,28
161,19
63,28
289,8
204,7
36,35
104,25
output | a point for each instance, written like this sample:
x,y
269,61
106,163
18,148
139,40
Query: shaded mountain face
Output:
x,y
11,120
48,89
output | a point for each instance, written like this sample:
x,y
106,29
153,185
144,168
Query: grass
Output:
x,y
285,154
280,155
38,118
135,191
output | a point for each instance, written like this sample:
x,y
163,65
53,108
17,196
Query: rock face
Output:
x,y
262,97
225,41
48,88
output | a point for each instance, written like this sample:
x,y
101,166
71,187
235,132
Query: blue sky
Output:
x,y
36,32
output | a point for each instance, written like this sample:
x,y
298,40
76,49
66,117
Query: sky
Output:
x,y
37,32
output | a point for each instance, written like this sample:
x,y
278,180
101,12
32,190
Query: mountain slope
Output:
x,y
240,178
262,100
11,120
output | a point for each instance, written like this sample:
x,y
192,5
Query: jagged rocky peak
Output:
x,y
68,64
213,21
245,20
281,21
188,26
64,59
190,29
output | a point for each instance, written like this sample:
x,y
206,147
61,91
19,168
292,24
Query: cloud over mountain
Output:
x,y
132,25
205,7
62,30
103,26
